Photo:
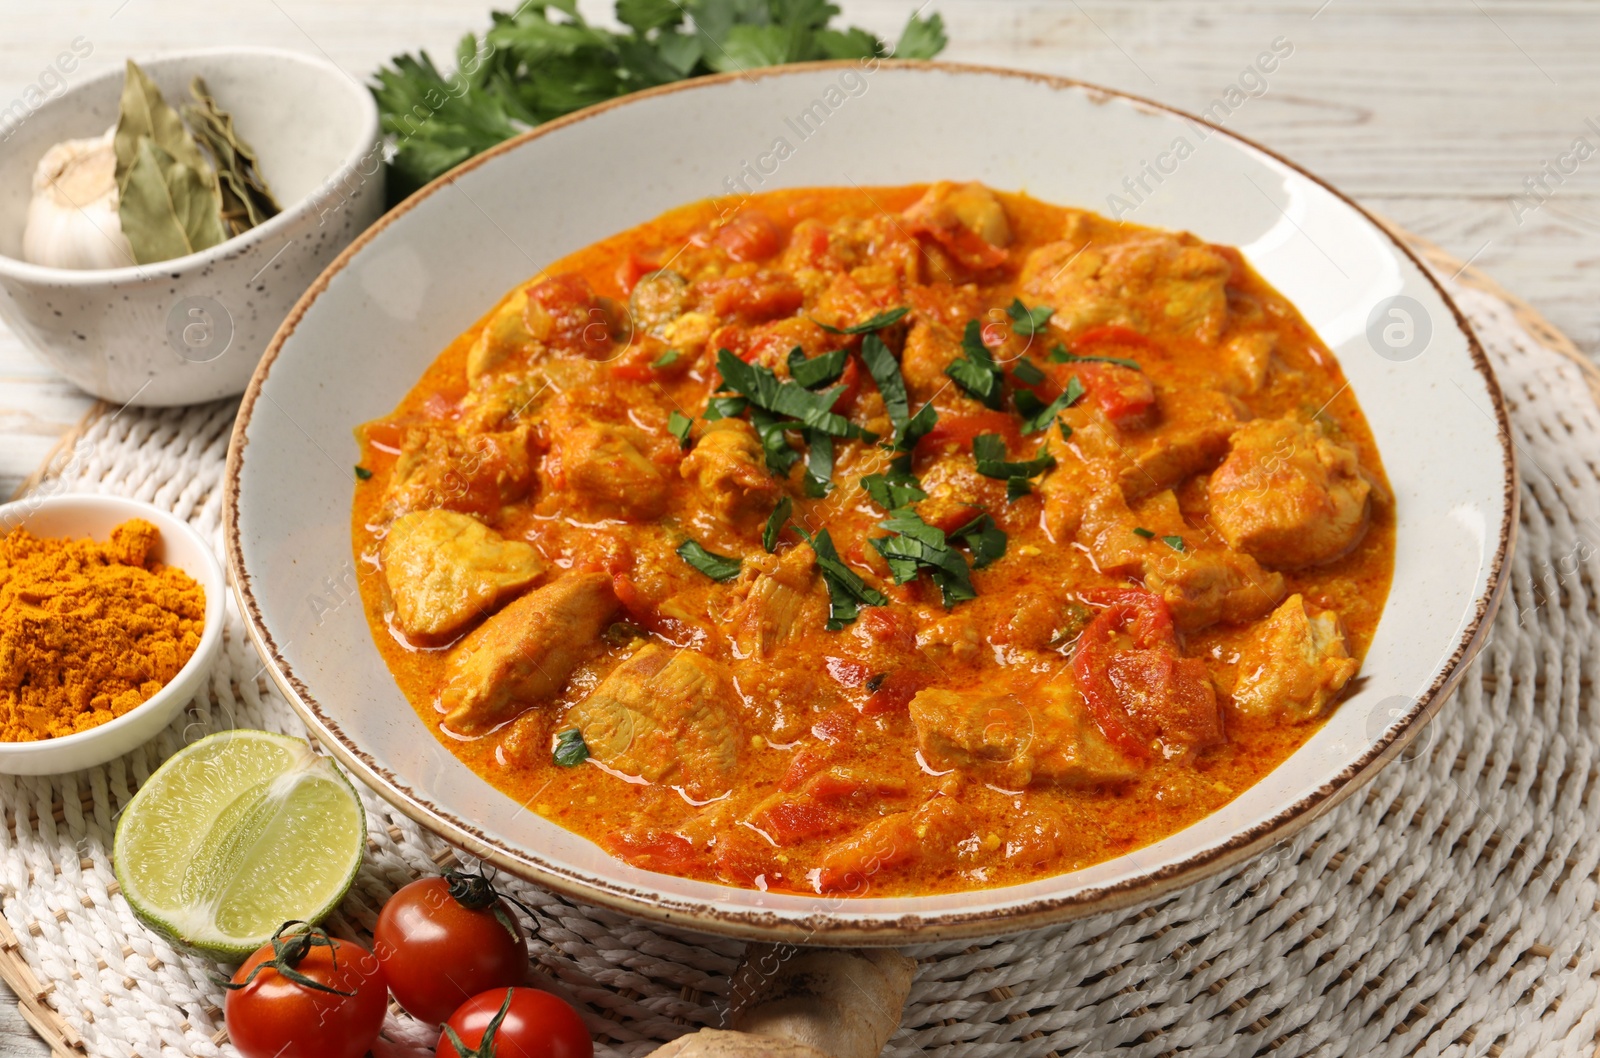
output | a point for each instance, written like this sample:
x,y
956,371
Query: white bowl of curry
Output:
x,y
879,550
112,621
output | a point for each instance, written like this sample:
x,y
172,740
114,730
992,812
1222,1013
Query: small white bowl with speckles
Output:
x,y
78,516
192,329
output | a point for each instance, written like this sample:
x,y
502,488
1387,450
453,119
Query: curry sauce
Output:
x,y
898,540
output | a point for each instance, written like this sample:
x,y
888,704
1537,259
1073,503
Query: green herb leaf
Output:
x,y
918,546
986,540
1174,542
774,435
570,749
989,452
893,490
923,38
885,371
976,371
870,324
1037,416
1027,371
363,473
1066,429
544,61
819,464
1016,488
167,208
1140,530
765,390
916,428
1059,355
678,425
1029,322
717,567
774,526
818,371
724,408
666,359
847,592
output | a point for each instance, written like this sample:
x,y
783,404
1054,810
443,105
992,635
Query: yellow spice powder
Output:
x,y
88,631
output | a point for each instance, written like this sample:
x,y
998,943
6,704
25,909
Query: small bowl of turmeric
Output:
x,y
111,616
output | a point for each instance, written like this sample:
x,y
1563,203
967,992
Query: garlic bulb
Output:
x,y
72,217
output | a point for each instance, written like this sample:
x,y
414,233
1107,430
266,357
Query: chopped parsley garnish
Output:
x,y
1059,355
765,390
724,408
885,371
867,326
847,592
819,464
919,546
1037,415
1174,542
989,451
1027,371
1066,429
774,526
363,473
678,425
570,749
818,371
986,540
1140,530
666,359
717,567
976,372
773,433
897,488
1028,322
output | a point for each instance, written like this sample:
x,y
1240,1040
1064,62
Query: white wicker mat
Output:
x,y
1448,908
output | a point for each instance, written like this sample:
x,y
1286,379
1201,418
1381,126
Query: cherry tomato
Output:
x,y
271,1014
515,1023
443,940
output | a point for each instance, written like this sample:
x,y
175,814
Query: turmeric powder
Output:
x,y
88,631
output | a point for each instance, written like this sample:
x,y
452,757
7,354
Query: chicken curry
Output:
x,y
900,540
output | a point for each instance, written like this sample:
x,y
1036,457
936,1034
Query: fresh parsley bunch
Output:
x,y
546,60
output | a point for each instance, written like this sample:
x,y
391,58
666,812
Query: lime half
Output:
x,y
236,835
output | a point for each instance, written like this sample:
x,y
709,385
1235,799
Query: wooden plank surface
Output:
x,y
1435,113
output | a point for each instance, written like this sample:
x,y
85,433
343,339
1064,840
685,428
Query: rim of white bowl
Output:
x,y
214,583
162,271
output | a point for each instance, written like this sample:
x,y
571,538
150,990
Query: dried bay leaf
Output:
x,y
146,114
167,207
246,198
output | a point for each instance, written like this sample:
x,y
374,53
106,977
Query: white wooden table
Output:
x,y
1435,113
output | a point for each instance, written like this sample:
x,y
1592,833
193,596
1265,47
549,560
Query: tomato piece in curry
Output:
x,y
902,540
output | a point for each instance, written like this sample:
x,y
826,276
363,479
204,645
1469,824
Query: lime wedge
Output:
x,y
236,835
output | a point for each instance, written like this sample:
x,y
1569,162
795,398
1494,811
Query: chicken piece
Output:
x,y
1294,664
929,349
1289,495
729,467
1251,356
966,219
665,716
504,337
526,652
1192,438
445,569
505,399
1206,585
1087,480
1017,740
605,466
1147,281
773,600
476,473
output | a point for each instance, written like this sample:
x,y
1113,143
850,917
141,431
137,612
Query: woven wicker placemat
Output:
x,y
1447,908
